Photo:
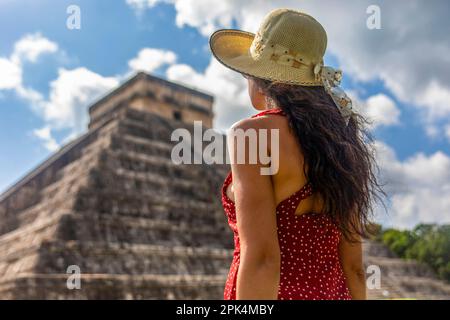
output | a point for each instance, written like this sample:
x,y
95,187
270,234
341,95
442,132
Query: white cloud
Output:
x,y
382,110
447,132
432,131
10,75
28,48
45,135
72,91
149,59
140,5
229,89
437,97
410,56
70,95
31,47
206,15
419,187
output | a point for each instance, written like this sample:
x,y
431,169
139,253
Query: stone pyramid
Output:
x,y
113,204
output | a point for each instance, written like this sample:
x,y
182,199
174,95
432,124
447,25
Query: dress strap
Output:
x,y
278,111
294,199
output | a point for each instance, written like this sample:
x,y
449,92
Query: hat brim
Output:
x,y
231,48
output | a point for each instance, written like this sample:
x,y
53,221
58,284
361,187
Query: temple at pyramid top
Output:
x,y
141,93
146,92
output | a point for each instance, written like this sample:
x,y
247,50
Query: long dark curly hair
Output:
x,y
341,159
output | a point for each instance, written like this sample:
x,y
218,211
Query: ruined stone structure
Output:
x,y
400,278
138,226
113,203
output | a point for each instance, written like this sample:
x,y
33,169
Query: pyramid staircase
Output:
x,y
137,225
114,204
402,279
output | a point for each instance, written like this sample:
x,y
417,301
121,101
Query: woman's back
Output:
x,y
308,240
290,176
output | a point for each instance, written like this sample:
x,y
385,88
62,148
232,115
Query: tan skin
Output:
x,y
259,268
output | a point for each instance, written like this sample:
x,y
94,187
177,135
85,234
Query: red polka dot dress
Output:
x,y
310,268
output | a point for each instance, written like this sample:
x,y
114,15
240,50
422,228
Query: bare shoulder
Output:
x,y
262,122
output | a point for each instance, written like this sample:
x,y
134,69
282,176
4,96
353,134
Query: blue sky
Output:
x,y
113,33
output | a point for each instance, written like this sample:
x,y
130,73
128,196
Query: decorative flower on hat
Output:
x,y
331,80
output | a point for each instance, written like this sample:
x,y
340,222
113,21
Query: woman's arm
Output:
x,y
352,263
259,267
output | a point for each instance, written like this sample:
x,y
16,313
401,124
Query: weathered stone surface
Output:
x,y
138,226
402,279
115,286
113,203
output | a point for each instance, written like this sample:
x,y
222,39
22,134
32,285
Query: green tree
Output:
x,y
398,241
427,243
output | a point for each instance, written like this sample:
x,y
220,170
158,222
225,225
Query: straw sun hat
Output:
x,y
288,47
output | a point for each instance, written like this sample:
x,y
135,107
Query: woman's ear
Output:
x,y
256,96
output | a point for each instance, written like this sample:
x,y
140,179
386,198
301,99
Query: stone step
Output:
x,y
134,183
160,131
421,286
137,128
133,203
141,145
130,145
116,287
90,226
24,261
138,181
375,249
78,155
162,166
397,267
20,248
389,289
110,286
178,224
409,287
102,257
56,192
13,243
63,201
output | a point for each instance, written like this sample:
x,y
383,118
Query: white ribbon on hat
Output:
x,y
331,80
